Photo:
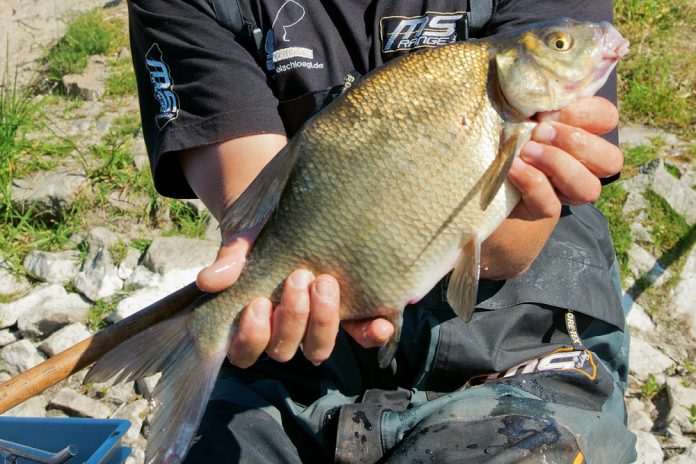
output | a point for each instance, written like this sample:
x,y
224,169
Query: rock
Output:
x,y
637,317
19,357
33,407
48,193
146,385
139,153
687,457
137,456
167,254
197,205
634,202
7,337
4,376
142,277
126,267
64,339
638,416
58,268
52,314
135,413
116,394
648,448
91,84
684,294
644,359
641,233
10,312
682,199
98,277
681,400
76,404
642,263
11,284
143,297
635,134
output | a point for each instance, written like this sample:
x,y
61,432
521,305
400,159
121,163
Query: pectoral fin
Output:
x,y
512,139
463,283
259,200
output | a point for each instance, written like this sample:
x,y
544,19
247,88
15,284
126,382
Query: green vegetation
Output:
x,y
89,34
692,413
651,388
186,220
97,313
611,204
656,80
667,226
121,81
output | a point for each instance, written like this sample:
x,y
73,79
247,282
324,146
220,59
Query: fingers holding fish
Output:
x,y
596,115
290,317
252,335
228,264
539,199
322,327
369,333
572,181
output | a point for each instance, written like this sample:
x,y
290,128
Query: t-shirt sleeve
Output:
x,y
198,84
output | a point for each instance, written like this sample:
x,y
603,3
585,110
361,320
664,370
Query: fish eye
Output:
x,y
560,41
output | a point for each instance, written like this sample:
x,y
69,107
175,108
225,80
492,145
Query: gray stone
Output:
x,y
76,404
98,277
135,413
635,134
64,338
7,337
642,263
48,192
10,283
10,312
634,202
33,407
167,254
53,314
648,448
91,84
638,416
142,277
126,267
687,457
682,199
4,376
143,297
681,400
684,294
644,359
146,385
137,456
120,393
19,357
641,233
139,153
58,267
637,317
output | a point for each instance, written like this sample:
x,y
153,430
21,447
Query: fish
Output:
x,y
389,188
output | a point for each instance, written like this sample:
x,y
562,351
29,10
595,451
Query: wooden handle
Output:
x,y
32,382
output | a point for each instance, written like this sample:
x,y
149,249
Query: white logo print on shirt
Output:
x,y
290,14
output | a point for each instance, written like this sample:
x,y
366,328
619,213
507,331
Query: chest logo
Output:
x,y
288,56
399,33
164,86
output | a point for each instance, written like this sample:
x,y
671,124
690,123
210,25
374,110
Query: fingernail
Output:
x,y
545,132
325,288
262,309
532,150
301,279
517,164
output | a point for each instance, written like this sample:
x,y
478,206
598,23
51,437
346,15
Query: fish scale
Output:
x,y
393,185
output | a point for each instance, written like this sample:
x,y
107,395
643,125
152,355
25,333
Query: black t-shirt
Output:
x,y
200,84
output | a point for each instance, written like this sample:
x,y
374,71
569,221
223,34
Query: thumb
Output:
x,y
228,264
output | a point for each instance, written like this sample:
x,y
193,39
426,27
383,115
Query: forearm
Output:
x,y
219,173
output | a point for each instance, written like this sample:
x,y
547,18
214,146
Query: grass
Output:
x,y
97,313
651,388
89,34
668,227
611,204
656,80
121,81
186,221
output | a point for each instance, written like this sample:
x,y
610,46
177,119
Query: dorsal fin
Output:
x,y
258,201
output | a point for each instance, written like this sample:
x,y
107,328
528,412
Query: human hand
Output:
x,y
307,316
566,158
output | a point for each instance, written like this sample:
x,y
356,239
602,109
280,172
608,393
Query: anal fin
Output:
x,y
463,283
188,377
387,352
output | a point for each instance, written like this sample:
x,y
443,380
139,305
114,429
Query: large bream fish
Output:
x,y
389,188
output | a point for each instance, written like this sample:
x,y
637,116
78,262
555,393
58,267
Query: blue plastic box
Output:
x,y
98,441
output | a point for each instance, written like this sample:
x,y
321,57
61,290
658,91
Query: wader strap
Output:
x,y
229,14
359,431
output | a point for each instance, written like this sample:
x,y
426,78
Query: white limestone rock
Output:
x,y
638,416
681,400
135,413
684,294
19,357
48,193
687,457
64,338
57,267
648,448
146,385
10,312
167,254
10,283
53,314
33,407
98,277
76,404
7,337
644,359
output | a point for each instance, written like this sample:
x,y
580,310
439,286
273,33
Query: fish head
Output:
x,y
548,65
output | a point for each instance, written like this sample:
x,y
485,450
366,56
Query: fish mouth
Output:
x,y
614,46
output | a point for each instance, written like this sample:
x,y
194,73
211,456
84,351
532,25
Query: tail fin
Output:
x,y
188,376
